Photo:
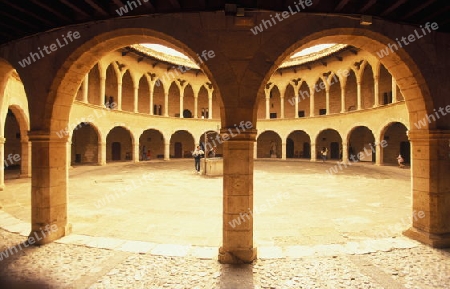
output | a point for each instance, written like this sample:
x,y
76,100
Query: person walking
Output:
x,y
323,154
400,161
197,154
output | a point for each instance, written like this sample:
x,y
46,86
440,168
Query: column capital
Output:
x,y
238,134
45,136
417,135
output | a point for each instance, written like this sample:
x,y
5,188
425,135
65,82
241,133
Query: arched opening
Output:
x,y
189,104
119,145
158,98
301,145
361,144
331,140
320,97
144,96
304,98
289,94
367,87
127,92
396,136
84,147
269,145
351,92
94,96
174,100
181,144
274,102
151,145
335,93
203,108
12,147
111,84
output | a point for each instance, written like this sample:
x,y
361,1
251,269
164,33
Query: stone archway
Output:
x,y
238,88
396,136
85,144
406,66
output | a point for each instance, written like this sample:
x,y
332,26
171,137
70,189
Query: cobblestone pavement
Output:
x,y
63,265
324,236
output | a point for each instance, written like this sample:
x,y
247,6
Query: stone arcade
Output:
x,y
245,79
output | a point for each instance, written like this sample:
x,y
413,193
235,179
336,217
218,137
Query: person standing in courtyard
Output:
x,y
400,161
197,154
323,154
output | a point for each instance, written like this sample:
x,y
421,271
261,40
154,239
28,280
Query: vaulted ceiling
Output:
x,y
22,18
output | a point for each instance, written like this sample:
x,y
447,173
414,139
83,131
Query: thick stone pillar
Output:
x,y
102,91
237,242
2,168
49,187
359,97
283,150
136,99
119,96
394,90
25,158
86,88
430,187
101,159
311,102
345,152
136,151
166,149
378,155
313,152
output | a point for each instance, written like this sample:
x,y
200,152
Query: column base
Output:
x,y
45,236
237,257
433,240
24,176
2,187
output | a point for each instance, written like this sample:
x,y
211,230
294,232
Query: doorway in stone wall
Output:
x,y
334,150
178,150
115,151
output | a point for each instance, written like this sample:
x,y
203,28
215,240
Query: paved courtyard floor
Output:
x,y
158,224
